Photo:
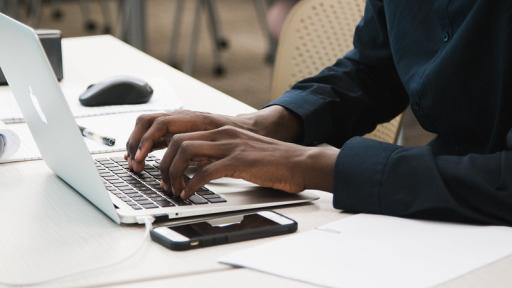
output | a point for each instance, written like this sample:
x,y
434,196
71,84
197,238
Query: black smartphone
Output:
x,y
223,230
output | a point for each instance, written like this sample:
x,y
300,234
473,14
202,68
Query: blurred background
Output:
x,y
228,44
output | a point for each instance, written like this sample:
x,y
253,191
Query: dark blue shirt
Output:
x,y
451,61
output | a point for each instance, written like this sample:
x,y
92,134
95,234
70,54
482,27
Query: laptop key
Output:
x,y
196,199
205,192
133,195
210,196
149,206
180,202
165,203
217,200
144,201
139,199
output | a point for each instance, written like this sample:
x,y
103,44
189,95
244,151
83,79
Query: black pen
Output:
x,y
109,141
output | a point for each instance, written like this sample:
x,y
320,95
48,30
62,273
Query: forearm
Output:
x,y
274,122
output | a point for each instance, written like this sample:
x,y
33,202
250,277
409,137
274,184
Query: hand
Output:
x,y
237,153
155,131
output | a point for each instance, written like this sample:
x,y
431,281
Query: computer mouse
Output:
x,y
120,90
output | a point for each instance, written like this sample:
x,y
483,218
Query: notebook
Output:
x,y
119,127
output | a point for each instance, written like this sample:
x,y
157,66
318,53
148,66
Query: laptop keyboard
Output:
x,y
142,190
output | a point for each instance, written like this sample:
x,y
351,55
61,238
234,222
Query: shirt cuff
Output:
x,y
314,112
359,174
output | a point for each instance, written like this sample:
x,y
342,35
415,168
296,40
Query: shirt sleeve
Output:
x,y
381,178
358,92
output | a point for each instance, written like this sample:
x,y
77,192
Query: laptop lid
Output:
x,y
42,103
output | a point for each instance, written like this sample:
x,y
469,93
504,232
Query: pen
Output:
x,y
109,141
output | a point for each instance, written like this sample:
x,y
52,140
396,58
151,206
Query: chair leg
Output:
x,y
217,41
221,41
89,24
194,40
107,18
57,13
175,36
261,13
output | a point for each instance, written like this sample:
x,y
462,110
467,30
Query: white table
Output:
x,y
57,231
50,230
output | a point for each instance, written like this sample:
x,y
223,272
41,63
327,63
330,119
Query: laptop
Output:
x,y
107,183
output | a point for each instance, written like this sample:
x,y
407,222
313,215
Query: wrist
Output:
x,y
318,168
274,122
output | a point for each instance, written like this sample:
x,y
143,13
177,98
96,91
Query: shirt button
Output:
x,y
445,36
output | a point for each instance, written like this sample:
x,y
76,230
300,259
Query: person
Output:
x,y
450,61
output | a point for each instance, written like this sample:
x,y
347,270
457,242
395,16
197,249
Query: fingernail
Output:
x,y
137,155
182,195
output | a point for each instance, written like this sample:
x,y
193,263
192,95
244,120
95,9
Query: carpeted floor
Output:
x,y
248,77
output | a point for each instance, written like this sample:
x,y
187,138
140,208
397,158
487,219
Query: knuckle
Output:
x,y
228,130
142,119
160,123
175,141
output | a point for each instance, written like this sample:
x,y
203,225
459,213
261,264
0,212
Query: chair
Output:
x,y
315,34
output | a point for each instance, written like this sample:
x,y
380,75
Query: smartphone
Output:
x,y
223,230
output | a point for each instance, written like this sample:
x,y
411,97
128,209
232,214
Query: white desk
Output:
x,y
57,231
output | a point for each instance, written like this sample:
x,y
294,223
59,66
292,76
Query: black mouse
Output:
x,y
117,91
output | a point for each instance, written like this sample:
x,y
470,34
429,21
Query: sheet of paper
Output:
x,y
9,141
118,126
379,251
164,98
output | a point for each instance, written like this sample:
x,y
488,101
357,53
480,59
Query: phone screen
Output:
x,y
250,221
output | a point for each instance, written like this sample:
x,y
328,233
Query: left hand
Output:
x,y
237,153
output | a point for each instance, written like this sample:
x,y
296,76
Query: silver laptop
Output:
x,y
107,183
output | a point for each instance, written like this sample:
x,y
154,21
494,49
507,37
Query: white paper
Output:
x,y
10,141
118,126
164,98
379,251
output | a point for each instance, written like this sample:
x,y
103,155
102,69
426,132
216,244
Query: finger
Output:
x,y
215,170
190,150
141,125
163,126
154,134
174,145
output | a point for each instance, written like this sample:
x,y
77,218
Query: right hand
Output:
x,y
154,131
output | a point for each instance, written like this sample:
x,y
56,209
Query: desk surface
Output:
x,y
55,231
